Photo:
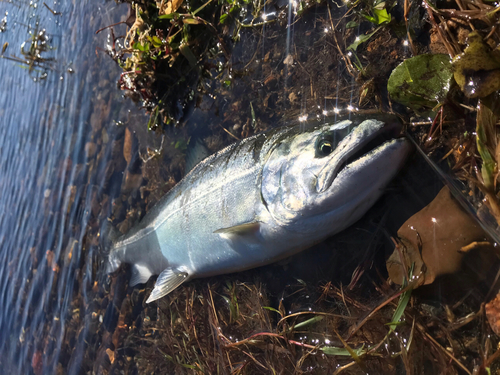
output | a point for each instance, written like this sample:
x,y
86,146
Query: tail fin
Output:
x,y
108,236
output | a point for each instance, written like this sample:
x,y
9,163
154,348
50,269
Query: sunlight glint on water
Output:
x,y
44,174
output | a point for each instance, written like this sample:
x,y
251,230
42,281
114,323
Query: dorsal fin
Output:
x,y
167,281
196,151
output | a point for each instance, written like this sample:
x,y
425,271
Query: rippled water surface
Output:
x,y
55,117
68,165
76,154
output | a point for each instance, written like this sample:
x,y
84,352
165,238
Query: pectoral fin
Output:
x,y
241,229
167,281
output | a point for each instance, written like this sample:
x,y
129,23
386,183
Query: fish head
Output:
x,y
330,175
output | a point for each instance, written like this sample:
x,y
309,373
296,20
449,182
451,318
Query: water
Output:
x,y
53,164
64,172
68,164
67,167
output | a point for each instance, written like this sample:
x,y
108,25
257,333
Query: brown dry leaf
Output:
x,y
434,239
492,310
52,261
127,146
50,256
167,7
138,23
37,362
477,69
111,355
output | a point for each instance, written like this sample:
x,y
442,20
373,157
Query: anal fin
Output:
x,y
167,281
140,274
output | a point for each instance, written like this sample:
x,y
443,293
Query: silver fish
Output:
x,y
261,200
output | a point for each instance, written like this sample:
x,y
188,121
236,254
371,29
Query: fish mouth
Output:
x,y
355,147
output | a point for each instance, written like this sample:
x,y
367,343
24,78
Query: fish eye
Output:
x,y
324,147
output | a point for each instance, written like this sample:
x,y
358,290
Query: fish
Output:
x,y
262,199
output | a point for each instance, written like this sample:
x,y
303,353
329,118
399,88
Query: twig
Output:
x,y
107,27
426,334
52,11
386,302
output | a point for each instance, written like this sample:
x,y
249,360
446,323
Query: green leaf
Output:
x,y
307,322
168,16
351,25
403,302
223,18
154,118
333,350
188,54
191,21
271,309
370,18
254,118
486,143
201,7
360,39
141,47
156,41
381,16
181,145
421,82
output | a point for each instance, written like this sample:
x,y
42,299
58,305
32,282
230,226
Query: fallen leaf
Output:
x,y
111,355
492,310
433,241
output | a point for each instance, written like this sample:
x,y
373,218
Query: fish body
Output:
x,y
261,200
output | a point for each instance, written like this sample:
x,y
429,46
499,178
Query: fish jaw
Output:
x,y
364,138
360,184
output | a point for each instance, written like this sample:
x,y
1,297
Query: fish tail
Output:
x,y
108,236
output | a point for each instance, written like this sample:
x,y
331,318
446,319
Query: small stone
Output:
x,y
111,355
37,362
131,182
271,82
124,226
96,121
90,149
288,60
127,146
105,136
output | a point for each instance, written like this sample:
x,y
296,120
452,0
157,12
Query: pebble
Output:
x,y
90,149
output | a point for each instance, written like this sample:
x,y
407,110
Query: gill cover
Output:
x,y
290,174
